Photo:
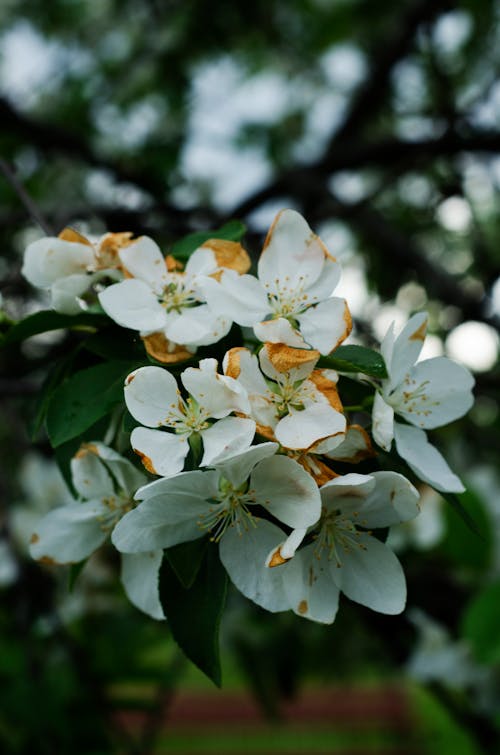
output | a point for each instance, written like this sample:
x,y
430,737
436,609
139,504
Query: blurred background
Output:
x,y
380,123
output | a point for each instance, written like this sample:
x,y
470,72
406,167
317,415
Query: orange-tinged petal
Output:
x,y
165,351
229,254
69,234
284,358
327,388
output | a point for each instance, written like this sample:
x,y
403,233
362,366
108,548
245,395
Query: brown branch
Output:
x,y
406,255
371,94
23,195
388,152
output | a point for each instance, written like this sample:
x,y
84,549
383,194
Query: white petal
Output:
x,y
241,298
444,393
201,262
160,522
240,364
69,533
387,346
66,293
300,429
243,557
217,394
198,484
287,491
139,576
50,258
407,347
162,453
279,331
326,284
293,255
128,477
371,574
352,487
284,551
90,477
151,393
326,325
143,260
226,438
393,500
382,422
425,460
309,587
353,446
237,469
132,304
196,326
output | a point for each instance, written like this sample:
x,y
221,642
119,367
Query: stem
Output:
x,y
25,198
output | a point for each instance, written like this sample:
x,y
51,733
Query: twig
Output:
x,y
25,198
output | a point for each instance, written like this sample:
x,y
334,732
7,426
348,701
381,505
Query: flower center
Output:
x,y
229,509
412,397
177,295
115,506
187,417
337,535
286,393
287,301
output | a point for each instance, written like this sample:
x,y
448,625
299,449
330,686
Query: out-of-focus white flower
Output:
x,y
220,503
426,530
70,264
153,398
9,568
290,401
344,556
439,658
106,483
43,489
291,301
427,395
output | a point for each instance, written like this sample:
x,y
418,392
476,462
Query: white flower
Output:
x,y
106,483
344,556
289,400
156,299
291,301
220,503
427,395
153,398
69,265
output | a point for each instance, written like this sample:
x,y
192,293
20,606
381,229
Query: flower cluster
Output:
x,y
255,453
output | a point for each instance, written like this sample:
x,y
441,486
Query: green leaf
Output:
x,y
185,559
355,359
469,540
232,231
194,614
116,343
481,624
54,378
41,322
84,398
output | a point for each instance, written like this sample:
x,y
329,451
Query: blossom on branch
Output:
x,y
153,398
157,298
291,301
426,395
106,483
69,265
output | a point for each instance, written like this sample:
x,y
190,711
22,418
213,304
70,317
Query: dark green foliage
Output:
x,y
194,613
